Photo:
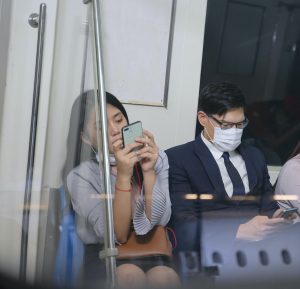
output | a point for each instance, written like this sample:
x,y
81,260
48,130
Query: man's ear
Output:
x,y
85,138
202,118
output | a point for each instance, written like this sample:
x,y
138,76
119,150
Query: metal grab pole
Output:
x,y
35,20
110,251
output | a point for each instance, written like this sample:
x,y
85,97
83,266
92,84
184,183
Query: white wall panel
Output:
x,y
171,126
176,124
15,128
5,15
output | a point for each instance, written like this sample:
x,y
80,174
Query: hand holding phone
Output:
x,y
288,212
125,150
131,132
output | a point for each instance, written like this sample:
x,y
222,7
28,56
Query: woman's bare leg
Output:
x,y
162,276
129,275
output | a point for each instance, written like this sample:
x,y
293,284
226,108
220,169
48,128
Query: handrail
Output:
x,y
35,21
110,251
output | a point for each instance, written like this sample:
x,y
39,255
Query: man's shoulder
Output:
x,y
180,149
251,149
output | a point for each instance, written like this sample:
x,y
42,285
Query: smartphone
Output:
x,y
288,212
131,132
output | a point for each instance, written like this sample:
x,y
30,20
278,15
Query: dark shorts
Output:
x,y
147,263
95,267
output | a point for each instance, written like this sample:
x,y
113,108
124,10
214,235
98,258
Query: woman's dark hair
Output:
x,y
77,150
111,99
219,97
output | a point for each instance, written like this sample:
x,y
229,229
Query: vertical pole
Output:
x,y
110,250
36,21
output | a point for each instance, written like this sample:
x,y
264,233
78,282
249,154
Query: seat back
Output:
x,y
275,258
70,249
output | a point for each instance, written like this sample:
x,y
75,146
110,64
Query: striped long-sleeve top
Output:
x,y
86,187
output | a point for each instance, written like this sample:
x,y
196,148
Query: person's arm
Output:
x,y
260,227
180,185
148,187
85,194
159,202
289,183
122,205
154,205
179,181
269,221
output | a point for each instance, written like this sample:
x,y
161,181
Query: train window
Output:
x,y
255,44
53,187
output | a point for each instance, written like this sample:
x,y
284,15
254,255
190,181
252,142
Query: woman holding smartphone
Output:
x,y
288,182
139,177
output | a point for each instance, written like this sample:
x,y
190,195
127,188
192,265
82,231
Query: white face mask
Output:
x,y
227,140
97,157
112,159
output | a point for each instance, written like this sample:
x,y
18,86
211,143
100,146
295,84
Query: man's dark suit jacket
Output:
x,y
193,170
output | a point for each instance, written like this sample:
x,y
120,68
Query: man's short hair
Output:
x,y
220,97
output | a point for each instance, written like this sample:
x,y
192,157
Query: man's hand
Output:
x,y
279,213
260,227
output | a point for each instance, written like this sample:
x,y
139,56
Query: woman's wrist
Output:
x,y
123,183
123,178
149,172
123,189
149,181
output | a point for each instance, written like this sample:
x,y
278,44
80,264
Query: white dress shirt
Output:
x,y
236,160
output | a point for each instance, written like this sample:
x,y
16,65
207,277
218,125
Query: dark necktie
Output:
x,y
237,183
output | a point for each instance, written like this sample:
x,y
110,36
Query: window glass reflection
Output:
x,y
256,46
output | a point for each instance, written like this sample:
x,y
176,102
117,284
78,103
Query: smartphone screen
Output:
x,y
131,132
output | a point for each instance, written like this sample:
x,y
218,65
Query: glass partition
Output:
x,y
255,45
203,233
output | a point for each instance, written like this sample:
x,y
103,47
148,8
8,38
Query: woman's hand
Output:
x,y
125,157
149,153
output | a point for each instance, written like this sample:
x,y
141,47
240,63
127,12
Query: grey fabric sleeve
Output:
x,y
84,186
289,183
161,204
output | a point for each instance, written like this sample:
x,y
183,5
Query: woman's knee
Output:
x,y
130,275
162,276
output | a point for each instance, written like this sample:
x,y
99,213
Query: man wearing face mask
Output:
x,y
216,174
